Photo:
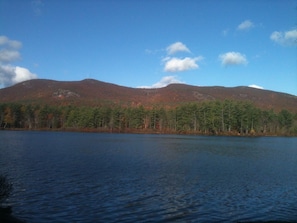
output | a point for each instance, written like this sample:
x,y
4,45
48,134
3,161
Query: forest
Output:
x,y
210,118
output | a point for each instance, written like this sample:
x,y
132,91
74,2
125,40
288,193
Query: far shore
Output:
x,y
150,131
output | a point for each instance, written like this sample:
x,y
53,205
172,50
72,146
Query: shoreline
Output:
x,y
147,131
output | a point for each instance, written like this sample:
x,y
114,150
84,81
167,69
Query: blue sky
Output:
x,y
151,43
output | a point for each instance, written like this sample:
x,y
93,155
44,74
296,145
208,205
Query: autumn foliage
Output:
x,y
212,117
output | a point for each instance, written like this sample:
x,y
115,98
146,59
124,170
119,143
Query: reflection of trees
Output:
x,y
5,192
5,188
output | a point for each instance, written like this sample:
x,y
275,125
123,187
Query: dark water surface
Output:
x,y
88,177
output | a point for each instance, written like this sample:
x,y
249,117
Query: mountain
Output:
x,y
91,92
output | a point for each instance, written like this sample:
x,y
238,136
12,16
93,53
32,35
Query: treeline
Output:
x,y
213,117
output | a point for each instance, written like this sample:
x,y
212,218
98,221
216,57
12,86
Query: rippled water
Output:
x,y
88,177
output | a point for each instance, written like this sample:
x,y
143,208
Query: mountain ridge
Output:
x,y
91,92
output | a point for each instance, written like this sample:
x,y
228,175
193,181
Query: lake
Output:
x,y
91,177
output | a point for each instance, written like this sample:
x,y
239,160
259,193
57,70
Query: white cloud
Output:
x,y
288,38
256,86
276,36
173,64
164,82
177,47
22,74
10,43
9,49
8,55
292,34
233,58
245,25
10,74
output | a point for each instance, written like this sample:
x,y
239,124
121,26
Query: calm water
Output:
x,y
86,177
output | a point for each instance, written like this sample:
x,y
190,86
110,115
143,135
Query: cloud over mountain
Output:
x,y
256,86
164,82
10,74
179,64
232,58
173,64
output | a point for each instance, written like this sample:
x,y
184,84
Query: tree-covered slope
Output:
x,y
93,93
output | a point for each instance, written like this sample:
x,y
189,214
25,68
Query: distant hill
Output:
x,y
91,92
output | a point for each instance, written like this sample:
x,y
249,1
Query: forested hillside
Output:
x,y
210,117
91,105
92,93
